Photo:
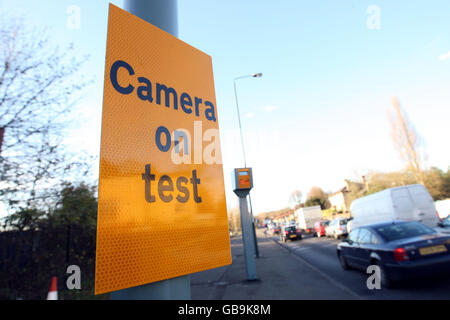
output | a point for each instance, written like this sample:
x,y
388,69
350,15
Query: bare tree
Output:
x,y
234,220
37,93
406,140
295,199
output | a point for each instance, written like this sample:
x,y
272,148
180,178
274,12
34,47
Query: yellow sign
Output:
x,y
161,211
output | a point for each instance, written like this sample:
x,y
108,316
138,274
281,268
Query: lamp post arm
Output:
x,y
239,118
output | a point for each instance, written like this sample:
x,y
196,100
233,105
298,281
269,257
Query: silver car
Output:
x,y
337,228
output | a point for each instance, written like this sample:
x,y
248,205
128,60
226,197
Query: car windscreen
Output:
x,y
290,229
403,230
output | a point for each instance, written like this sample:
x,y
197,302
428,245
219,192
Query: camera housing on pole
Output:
x,y
242,181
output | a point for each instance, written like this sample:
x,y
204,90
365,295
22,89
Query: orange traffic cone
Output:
x,y
53,293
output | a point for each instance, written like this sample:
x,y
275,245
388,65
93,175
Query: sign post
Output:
x,y
162,210
162,14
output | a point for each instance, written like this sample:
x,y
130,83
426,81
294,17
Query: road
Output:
x,y
320,253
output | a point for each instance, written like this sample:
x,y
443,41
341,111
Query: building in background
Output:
x,y
341,200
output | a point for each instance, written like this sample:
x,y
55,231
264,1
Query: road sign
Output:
x,y
162,211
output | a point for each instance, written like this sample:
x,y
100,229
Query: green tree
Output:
x,y
446,183
25,219
77,205
317,197
311,202
437,183
435,180
379,181
39,244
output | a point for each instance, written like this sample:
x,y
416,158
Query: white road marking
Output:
x,y
317,245
326,276
301,248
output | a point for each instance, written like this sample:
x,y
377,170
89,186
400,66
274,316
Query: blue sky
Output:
x,y
318,114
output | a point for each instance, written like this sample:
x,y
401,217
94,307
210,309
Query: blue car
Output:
x,y
403,250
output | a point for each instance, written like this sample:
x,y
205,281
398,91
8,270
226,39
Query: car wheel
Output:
x,y
343,262
385,280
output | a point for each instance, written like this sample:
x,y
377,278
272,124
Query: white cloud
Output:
x,y
249,115
271,108
444,56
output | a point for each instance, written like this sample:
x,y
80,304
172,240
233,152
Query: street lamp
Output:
x,y
254,75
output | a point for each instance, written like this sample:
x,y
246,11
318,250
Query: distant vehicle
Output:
x,y
350,225
443,208
275,229
444,226
401,249
409,203
271,228
337,228
290,233
319,228
266,222
306,218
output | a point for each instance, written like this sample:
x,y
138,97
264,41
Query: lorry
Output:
x,y
306,218
409,203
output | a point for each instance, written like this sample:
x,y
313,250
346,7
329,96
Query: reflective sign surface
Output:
x,y
162,210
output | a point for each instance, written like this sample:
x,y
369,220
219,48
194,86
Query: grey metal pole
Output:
x,y
253,225
160,13
172,289
164,15
247,236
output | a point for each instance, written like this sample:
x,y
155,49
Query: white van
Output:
x,y
443,208
411,202
307,217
